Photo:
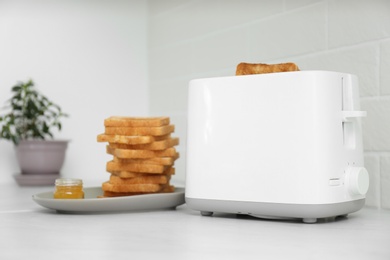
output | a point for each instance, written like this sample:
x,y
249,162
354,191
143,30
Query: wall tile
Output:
x,y
372,164
298,3
361,61
385,182
170,61
356,21
183,23
158,7
218,51
289,34
385,68
376,126
168,96
233,13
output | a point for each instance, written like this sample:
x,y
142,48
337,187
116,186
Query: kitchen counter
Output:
x,y
29,231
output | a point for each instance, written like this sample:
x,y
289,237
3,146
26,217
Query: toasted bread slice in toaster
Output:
x,y
261,68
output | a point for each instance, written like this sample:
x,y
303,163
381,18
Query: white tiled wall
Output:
x,y
192,39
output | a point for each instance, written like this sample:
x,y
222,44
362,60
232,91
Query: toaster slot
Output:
x,y
349,135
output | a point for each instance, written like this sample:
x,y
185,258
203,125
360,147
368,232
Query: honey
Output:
x,y
68,189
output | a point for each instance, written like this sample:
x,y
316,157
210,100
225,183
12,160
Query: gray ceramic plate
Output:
x,y
93,204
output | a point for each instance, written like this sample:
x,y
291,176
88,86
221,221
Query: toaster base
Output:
x,y
309,213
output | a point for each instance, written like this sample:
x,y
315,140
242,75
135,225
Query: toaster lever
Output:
x,y
348,116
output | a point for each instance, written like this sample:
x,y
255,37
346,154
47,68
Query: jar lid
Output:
x,y
68,182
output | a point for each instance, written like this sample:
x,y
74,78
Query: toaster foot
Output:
x,y
206,213
309,220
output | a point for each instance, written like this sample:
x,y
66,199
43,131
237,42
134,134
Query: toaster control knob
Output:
x,y
357,180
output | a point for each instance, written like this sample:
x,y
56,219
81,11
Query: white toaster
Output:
x,y
279,145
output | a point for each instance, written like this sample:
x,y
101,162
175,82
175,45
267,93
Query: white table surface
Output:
x,y
29,231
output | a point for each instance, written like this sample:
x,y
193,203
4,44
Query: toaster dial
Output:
x,y
357,180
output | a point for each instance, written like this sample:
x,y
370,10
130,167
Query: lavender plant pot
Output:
x,y
41,156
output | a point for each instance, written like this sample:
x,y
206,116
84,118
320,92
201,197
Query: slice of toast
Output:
x,y
107,186
140,154
166,189
145,168
152,179
154,131
127,174
158,145
261,68
133,140
136,121
167,161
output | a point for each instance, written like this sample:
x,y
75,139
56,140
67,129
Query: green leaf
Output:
x,y
16,88
45,128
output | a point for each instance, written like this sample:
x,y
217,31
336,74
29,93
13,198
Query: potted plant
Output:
x,y
28,120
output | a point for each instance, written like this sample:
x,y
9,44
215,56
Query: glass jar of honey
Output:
x,y
68,189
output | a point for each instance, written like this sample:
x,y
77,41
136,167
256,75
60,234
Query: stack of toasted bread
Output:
x,y
143,155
